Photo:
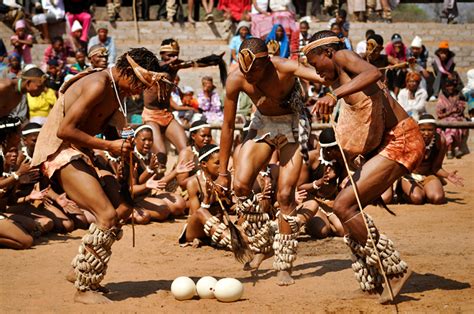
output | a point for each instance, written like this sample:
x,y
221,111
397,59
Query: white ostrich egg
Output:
x,y
228,290
205,287
183,288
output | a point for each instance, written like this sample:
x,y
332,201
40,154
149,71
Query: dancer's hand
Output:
x,y
300,196
121,147
155,184
455,179
222,184
324,105
38,195
63,201
185,166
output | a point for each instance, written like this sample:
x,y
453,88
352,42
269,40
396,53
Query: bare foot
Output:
x,y
396,283
254,264
71,276
90,297
284,278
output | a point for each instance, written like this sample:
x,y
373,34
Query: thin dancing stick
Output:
x,y
356,192
131,194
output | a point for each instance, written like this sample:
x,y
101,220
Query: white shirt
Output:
x,y
262,4
413,106
54,6
361,47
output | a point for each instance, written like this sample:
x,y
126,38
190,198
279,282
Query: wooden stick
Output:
x,y
356,192
137,32
131,194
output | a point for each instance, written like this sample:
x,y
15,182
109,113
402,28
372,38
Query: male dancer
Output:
x,y
372,124
11,91
88,103
280,123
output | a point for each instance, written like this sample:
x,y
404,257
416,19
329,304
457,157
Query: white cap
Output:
x,y
76,26
417,42
29,66
187,89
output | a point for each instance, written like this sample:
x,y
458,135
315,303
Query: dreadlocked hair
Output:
x,y
324,34
143,57
205,149
254,44
8,125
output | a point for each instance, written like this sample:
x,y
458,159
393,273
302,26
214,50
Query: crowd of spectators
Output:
x,y
413,74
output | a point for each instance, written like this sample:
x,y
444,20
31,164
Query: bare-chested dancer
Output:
x,y
425,183
280,123
87,104
11,91
370,122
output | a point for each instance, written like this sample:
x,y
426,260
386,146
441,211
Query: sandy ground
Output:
x,y
436,241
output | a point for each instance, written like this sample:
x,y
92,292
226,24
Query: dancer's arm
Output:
x,y
228,126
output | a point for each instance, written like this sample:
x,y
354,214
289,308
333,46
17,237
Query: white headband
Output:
x,y
327,144
208,153
424,121
197,127
26,132
141,128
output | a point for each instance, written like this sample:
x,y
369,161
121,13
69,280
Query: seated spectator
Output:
x,y
13,68
80,64
78,10
362,45
113,10
417,57
397,54
75,37
278,34
341,20
303,38
468,93
55,75
22,42
443,67
283,14
98,56
338,31
3,56
106,41
40,106
425,184
209,101
53,12
60,51
413,97
190,106
451,108
243,32
234,10
262,20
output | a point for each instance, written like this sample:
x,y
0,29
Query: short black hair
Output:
x,y
8,125
327,136
378,39
342,13
34,72
56,39
168,41
143,57
205,149
369,33
304,22
254,44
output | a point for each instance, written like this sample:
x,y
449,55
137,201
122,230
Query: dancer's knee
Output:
x,y
437,199
107,218
286,196
241,188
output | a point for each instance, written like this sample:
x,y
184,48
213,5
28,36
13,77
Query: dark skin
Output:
x,y
268,83
89,105
12,96
99,61
351,77
432,191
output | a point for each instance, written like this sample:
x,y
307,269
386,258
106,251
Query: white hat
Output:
x,y
29,66
76,26
417,42
188,89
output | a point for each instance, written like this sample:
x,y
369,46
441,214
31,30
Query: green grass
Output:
x,y
410,13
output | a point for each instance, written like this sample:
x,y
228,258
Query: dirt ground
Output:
x,y
436,241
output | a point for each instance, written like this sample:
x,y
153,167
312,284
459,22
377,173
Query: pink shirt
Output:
x,y
24,50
